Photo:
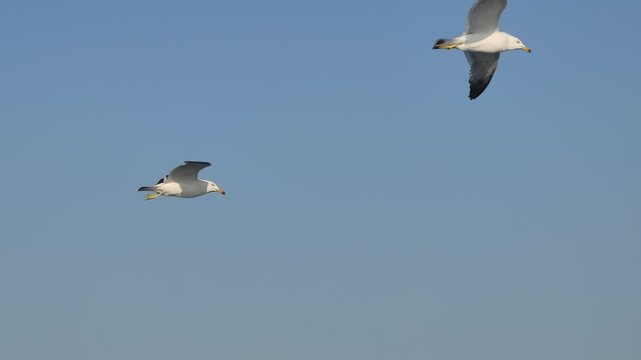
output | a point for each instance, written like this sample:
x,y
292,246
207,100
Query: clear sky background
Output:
x,y
372,210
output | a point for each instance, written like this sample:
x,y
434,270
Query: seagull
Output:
x,y
183,182
482,42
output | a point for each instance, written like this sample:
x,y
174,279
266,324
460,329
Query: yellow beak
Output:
x,y
525,48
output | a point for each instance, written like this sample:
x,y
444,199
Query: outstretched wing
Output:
x,y
188,171
484,15
482,68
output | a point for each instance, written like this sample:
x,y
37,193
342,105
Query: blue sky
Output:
x,y
372,210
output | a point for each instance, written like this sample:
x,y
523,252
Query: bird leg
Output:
x,y
449,46
152,196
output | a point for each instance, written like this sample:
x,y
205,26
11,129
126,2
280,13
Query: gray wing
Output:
x,y
484,15
188,171
482,68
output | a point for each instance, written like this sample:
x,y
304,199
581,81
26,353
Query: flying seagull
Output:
x,y
482,42
183,182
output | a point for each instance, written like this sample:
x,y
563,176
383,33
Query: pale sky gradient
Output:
x,y
372,210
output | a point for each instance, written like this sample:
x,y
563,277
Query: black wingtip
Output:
x,y
198,162
145,188
477,88
474,92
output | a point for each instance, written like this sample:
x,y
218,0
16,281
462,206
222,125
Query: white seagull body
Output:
x,y
482,42
183,182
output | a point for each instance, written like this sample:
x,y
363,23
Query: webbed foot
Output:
x,y
151,196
